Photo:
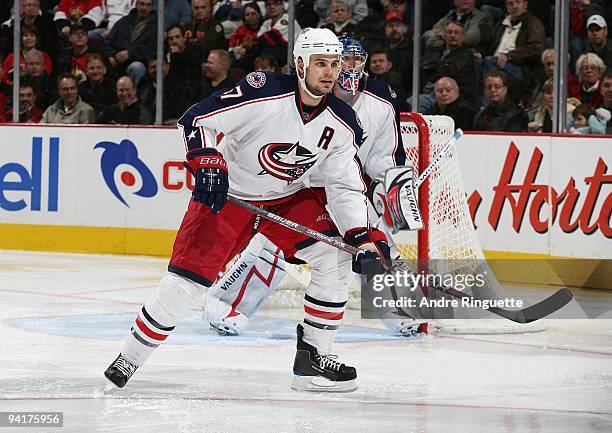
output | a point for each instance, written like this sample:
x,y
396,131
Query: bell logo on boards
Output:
x,y
121,165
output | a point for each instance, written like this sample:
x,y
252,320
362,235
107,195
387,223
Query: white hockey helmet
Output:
x,y
314,41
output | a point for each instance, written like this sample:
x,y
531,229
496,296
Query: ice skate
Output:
x,y
314,372
120,371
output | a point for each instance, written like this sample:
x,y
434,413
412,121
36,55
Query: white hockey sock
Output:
x,y
167,304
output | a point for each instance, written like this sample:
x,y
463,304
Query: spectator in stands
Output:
x,y
245,36
99,89
114,10
381,68
358,9
87,12
230,14
216,73
128,110
182,85
589,121
449,102
176,12
147,89
597,39
29,41
501,114
28,111
273,34
69,108
74,58
590,69
453,59
580,11
606,93
518,42
339,19
476,24
204,30
399,47
542,116
132,40
31,15
44,85
265,63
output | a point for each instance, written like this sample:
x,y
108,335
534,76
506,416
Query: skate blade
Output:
x,y
321,384
223,331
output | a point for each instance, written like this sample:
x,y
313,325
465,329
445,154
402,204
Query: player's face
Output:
x,y
95,70
322,73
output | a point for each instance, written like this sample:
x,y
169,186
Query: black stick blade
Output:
x,y
538,311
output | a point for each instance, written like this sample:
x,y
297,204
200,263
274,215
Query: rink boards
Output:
x,y
124,190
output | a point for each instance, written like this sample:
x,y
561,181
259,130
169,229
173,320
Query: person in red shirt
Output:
x,y
28,111
245,36
29,41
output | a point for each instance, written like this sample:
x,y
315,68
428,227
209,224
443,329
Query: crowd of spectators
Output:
x,y
488,64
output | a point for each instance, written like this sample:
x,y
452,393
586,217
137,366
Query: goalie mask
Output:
x,y
352,64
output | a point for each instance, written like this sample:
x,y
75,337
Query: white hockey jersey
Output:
x,y
273,147
278,34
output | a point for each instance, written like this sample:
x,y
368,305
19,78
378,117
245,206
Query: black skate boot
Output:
x,y
120,371
314,372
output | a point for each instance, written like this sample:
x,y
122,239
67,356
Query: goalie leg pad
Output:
x,y
242,290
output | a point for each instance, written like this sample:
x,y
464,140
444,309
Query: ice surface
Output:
x,y
63,318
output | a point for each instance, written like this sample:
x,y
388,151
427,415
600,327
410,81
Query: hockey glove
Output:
x,y
376,255
210,172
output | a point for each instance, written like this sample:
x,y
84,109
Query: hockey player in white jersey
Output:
x,y
262,141
259,270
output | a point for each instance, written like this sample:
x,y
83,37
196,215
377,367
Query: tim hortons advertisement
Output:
x,y
539,194
527,194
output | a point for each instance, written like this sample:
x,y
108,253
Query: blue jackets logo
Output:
x,y
125,156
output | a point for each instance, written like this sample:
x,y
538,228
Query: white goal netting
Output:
x,y
448,243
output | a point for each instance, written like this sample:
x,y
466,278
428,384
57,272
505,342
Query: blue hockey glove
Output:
x,y
210,172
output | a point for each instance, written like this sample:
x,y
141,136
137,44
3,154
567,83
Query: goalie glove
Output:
x,y
375,256
210,172
401,199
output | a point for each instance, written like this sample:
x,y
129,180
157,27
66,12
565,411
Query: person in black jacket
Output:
x,y
128,111
500,114
132,40
453,59
449,102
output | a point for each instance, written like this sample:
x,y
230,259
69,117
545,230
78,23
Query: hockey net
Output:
x,y
448,242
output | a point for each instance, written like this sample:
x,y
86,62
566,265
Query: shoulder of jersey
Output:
x,y
266,84
346,113
380,89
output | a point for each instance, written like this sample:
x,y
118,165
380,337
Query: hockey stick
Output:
x,y
526,315
433,164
